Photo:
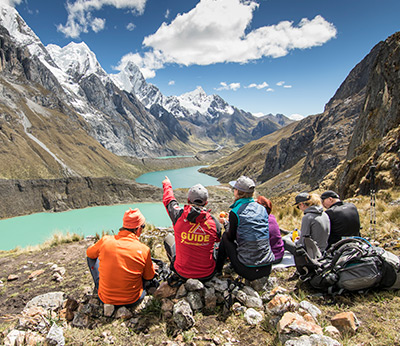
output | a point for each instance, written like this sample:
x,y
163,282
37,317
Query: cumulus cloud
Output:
x,y
147,63
80,18
280,83
171,82
130,26
166,15
270,90
258,86
287,86
217,32
225,86
296,116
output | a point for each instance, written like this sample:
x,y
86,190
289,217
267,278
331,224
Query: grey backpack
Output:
x,y
353,264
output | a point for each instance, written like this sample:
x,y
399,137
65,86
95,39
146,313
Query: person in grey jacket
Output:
x,y
315,223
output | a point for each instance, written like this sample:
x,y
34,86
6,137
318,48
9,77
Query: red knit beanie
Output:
x,y
133,219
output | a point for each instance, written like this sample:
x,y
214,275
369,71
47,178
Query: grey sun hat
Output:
x,y
302,197
198,194
244,184
328,194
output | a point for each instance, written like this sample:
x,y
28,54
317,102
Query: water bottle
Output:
x,y
295,234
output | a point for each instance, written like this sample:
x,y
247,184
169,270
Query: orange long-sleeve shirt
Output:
x,y
124,262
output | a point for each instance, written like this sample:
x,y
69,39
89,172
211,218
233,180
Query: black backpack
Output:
x,y
351,264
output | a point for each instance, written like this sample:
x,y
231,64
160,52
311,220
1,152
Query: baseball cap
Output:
x,y
302,197
198,194
328,194
244,184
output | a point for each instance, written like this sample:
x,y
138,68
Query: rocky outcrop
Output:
x,y
376,138
288,151
40,195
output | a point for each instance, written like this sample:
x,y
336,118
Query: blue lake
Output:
x,y
34,229
182,177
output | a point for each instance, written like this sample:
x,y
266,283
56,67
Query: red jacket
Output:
x,y
196,231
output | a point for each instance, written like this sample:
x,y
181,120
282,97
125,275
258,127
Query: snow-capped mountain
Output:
x,y
127,115
189,105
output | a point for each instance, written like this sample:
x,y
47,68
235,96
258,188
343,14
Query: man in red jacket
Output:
x,y
119,263
196,233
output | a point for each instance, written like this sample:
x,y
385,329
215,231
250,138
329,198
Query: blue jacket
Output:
x,y
252,235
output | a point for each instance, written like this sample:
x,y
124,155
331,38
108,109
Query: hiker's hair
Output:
x,y
133,230
241,194
314,200
200,205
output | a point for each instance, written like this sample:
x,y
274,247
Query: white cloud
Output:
x,y
147,63
287,86
280,83
296,116
270,90
171,82
97,24
80,14
258,115
225,86
215,32
258,86
11,3
130,26
166,15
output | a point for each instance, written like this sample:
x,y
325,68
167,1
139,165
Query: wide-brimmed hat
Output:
x,y
133,218
244,184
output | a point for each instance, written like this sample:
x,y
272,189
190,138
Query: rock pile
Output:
x,y
45,317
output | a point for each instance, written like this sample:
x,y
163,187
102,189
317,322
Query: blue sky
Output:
x,y
263,56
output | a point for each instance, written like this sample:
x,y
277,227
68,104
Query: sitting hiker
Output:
x,y
196,233
275,238
119,263
314,224
246,239
344,218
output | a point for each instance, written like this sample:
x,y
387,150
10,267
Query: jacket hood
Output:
x,y
316,209
195,212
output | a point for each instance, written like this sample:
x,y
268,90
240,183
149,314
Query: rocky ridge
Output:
x,y
70,193
58,316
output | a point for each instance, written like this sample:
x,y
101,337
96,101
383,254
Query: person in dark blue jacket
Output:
x,y
246,237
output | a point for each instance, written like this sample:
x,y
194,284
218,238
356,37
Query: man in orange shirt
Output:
x,y
120,263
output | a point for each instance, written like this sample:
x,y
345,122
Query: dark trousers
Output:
x,y
289,244
227,249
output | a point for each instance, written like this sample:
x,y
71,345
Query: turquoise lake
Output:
x,y
36,228
182,177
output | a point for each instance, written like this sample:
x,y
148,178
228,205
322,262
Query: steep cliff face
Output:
x,y
376,138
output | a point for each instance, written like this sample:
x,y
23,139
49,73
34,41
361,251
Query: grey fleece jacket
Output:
x,y
315,224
